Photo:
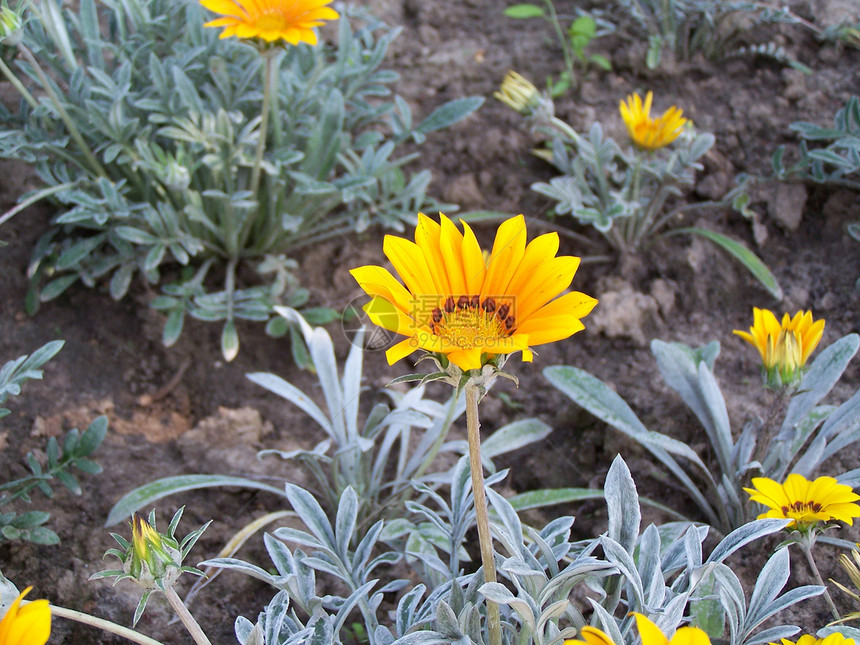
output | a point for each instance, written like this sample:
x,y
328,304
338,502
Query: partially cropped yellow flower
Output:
x,y
808,639
518,92
651,634
27,625
784,347
805,502
646,132
457,305
590,636
289,20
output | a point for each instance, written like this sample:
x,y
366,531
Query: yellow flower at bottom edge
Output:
x,y
651,634
831,639
28,625
784,346
289,20
454,303
590,636
646,132
806,502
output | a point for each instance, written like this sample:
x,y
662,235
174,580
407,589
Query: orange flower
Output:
x,y
455,303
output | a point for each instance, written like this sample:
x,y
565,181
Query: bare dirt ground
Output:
x,y
183,410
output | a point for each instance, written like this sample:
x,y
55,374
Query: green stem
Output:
x,y
482,516
95,166
18,85
100,623
185,616
807,551
269,58
565,47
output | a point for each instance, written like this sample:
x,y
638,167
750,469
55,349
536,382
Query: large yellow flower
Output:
x,y
28,625
784,347
805,502
271,20
471,309
808,639
649,633
646,132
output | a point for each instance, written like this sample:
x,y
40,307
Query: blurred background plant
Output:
x,y
582,30
796,434
144,128
714,28
75,452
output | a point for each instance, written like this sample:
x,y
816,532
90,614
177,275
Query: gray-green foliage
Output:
x,y
714,28
379,458
662,572
618,191
147,140
75,452
809,434
835,155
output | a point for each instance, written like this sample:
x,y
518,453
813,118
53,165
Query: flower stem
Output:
x,y
18,85
95,166
269,58
473,429
185,616
807,551
100,623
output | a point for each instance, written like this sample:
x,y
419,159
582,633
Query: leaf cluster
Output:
x,y
146,134
809,434
75,452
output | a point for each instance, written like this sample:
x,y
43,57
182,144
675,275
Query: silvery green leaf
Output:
x,y
608,624
252,570
842,427
290,392
450,113
649,567
695,384
498,593
622,503
772,635
347,516
514,436
596,397
701,145
552,613
618,555
446,620
822,375
744,535
311,513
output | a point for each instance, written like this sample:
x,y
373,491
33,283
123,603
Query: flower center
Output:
x,y
799,509
272,20
467,321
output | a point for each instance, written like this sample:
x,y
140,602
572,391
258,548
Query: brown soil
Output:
x,y
213,420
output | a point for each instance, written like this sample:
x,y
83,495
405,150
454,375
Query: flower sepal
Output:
x,y
151,559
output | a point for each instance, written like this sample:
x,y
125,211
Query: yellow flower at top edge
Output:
x,y
453,302
805,502
289,20
27,625
784,347
646,132
650,635
831,639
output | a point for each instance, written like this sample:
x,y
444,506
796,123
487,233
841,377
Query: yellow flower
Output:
x,y
590,636
271,20
807,639
470,310
518,93
144,537
28,625
646,132
651,634
784,347
648,632
805,502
